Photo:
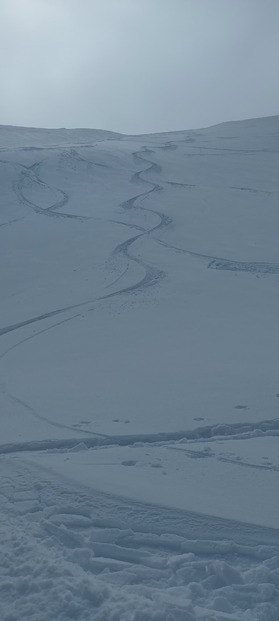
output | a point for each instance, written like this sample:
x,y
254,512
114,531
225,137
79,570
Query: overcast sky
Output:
x,y
137,65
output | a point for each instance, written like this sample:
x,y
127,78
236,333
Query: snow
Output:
x,y
165,475
139,374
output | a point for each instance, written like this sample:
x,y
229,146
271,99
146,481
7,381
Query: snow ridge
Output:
x,y
235,430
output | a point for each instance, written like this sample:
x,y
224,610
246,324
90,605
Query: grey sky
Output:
x,y
137,65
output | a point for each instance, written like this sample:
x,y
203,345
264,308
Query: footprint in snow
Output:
x,y
241,407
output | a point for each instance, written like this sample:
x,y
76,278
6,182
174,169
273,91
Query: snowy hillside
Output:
x,y
139,390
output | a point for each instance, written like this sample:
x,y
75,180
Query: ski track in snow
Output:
x,y
244,266
151,275
218,263
30,175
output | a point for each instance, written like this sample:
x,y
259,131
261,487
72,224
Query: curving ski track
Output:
x,y
29,174
152,275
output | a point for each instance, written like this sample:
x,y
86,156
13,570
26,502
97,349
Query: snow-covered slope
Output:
x,y
139,385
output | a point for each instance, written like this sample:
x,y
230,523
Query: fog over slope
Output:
x,y
139,385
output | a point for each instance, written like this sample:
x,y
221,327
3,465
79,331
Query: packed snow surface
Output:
x,y
139,391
